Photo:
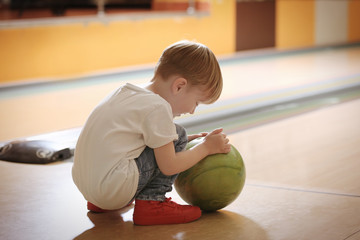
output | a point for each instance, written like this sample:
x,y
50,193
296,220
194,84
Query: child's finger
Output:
x,y
216,131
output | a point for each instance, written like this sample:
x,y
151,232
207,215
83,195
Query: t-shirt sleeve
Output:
x,y
158,127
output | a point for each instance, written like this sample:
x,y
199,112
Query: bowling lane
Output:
x,y
45,109
317,151
250,75
250,80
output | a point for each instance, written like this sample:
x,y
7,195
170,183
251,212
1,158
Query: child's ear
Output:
x,y
179,84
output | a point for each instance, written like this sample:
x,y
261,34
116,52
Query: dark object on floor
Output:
x,y
35,151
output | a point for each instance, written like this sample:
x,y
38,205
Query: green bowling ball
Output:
x,y
214,182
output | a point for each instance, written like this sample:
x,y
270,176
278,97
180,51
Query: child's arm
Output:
x,y
171,162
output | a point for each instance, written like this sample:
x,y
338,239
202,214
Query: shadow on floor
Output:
x,y
216,225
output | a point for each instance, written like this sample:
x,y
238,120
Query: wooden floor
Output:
x,y
302,181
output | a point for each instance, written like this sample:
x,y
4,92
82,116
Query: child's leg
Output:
x,y
151,206
153,185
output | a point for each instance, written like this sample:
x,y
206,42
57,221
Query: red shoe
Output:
x,y
96,209
166,212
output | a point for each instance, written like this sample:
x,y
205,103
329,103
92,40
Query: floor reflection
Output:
x,y
216,225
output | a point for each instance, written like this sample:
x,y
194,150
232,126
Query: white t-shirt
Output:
x,y
117,132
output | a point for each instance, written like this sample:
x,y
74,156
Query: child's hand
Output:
x,y
194,136
217,142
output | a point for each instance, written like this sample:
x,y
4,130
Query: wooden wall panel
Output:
x,y
255,24
354,20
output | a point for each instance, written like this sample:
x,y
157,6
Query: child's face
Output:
x,y
188,100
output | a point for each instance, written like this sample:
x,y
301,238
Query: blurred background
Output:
x,y
43,39
58,59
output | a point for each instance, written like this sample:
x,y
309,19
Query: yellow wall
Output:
x,y
75,49
294,23
60,51
354,21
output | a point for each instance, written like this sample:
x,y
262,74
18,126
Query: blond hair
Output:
x,y
196,63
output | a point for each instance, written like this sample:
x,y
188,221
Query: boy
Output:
x,y
130,147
